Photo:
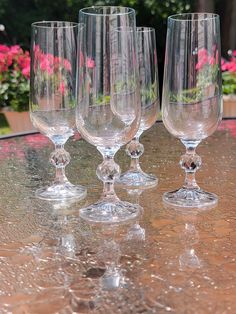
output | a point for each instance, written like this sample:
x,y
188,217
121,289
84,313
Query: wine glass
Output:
x,y
108,105
52,97
150,107
192,96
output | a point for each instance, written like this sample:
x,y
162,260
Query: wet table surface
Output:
x,y
166,261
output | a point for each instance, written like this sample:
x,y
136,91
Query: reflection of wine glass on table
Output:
x,y
108,116
135,233
189,258
52,98
148,74
192,97
109,253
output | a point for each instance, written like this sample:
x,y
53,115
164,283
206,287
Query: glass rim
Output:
x,y
200,16
144,29
64,24
85,10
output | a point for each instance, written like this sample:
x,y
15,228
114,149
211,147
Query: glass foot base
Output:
x,y
57,192
195,198
109,211
137,179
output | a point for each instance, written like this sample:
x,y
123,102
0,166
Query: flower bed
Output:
x,y
14,78
229,84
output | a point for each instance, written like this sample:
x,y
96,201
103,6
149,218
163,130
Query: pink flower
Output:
x,y
26,72
23,61
202,53
234,53
9,60
4,49
15,50
223,65
67,65
62,88
232,67
217,56
37,51
3,63
49,57
81,59
205,58
229,65
45,66
90,63
201,62
56,63
211,60
199,65
2,56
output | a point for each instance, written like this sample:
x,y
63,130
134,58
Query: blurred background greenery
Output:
x,y
16,18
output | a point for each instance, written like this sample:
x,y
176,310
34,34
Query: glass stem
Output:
x,y
108,171
190,162
60,176
135,150
134,164
190,181
59,159
108,190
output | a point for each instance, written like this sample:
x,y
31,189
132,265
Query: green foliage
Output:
x,y
14,91
149,94
101,100
187,96
229,83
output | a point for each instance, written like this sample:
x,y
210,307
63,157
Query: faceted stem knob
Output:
x,y
108,170
190,162
60,158
134,149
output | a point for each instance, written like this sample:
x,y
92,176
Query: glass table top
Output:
x,y
165,261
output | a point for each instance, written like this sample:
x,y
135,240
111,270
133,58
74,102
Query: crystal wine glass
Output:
x,y
192,97
150,107
108,107
52,97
